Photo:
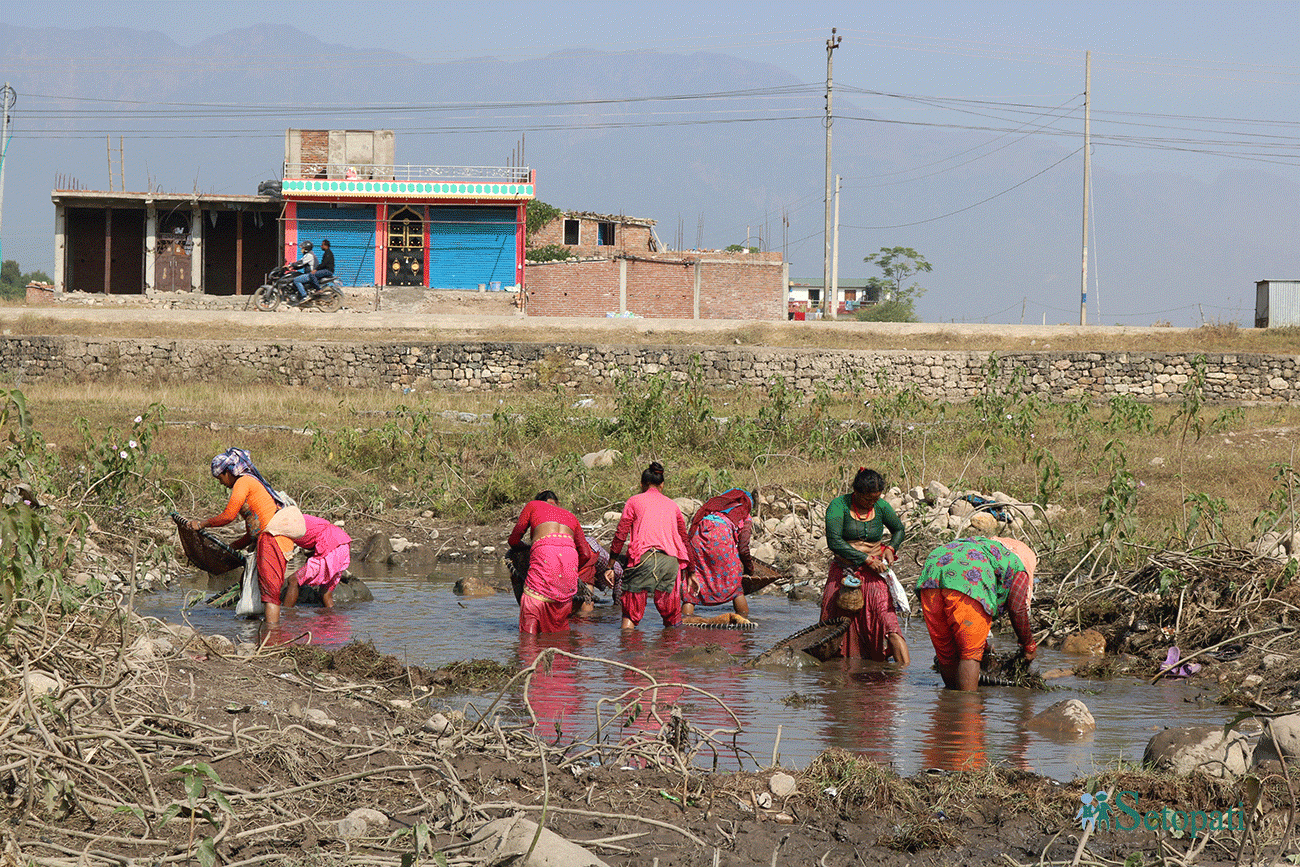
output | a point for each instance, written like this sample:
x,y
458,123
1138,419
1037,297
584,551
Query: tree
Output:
x,y
539,216
13,282
896,301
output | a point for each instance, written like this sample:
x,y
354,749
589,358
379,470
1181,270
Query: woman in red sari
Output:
x,y
719,544
559,550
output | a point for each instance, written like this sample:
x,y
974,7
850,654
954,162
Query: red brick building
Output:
x,y
620,267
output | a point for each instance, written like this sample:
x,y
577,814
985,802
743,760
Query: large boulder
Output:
x,y
349,589
474,585
1089,641
961,509
1182,750
504,841
602,458
1281,739
377,549
937,492
688,505
1068,717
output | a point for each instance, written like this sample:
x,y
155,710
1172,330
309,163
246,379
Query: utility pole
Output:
x,y
831,45
8,96
835,255
1087,182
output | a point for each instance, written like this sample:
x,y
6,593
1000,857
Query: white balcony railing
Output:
x,y
367,172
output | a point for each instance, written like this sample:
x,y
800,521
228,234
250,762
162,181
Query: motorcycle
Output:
x,y
279,288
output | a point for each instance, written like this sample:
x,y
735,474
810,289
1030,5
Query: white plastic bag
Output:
x,y
897,594
250,600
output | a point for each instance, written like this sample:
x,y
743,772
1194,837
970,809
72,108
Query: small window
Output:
x,y
604,234
571,232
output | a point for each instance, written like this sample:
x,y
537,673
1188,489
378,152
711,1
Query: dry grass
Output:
x,y
276,423
142,323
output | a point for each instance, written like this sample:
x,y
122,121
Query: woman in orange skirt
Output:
x,y
963,586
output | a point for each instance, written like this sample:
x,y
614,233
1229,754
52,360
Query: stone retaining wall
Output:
x,y
955,376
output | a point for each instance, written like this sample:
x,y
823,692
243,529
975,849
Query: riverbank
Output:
x,y
153,743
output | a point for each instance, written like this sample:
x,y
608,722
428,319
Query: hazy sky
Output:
x,y
1192,88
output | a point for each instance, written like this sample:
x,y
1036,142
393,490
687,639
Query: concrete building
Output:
x,y
805,295
119,243
443,227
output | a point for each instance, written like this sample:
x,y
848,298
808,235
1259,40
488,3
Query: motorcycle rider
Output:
x,y
326,268
305,265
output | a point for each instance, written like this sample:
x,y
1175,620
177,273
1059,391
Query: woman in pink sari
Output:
x,y
655,531
559,549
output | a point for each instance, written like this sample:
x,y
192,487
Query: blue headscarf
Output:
x,y
240,463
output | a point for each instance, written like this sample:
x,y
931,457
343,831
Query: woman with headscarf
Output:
x,y
719,542
856,524
253,499
963,586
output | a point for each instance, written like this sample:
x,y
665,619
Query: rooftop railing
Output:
x,y
371,171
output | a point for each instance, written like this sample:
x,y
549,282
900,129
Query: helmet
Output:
x,y
306,245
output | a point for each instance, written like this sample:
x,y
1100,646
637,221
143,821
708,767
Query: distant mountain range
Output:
x,y
1167,247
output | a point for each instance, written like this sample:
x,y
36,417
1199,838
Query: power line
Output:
x,y
976,204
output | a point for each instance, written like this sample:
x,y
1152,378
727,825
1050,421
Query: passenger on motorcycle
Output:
x,y
305,265
326,268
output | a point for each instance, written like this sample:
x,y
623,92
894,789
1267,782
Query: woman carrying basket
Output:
x,y
860,555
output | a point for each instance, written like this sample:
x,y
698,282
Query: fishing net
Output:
x,y
818,641
205,550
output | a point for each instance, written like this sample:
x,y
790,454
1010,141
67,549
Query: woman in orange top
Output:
x,y
252,499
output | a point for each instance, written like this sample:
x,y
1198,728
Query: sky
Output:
x,y
1193,90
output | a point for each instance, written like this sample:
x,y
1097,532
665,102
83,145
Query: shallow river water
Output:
x,y
899,717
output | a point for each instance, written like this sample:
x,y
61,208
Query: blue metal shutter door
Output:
x,y
351,233
471,245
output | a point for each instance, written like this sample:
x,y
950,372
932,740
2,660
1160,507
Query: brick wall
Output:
x,y
628,237
315,146
752,287
661,290
662,285
589,288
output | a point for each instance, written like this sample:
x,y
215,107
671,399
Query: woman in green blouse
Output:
x,y
856,524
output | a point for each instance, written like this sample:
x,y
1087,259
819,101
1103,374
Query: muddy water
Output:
x,y
901,718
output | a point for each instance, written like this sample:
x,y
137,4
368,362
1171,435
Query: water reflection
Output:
x,y
554,692
899,717
954,736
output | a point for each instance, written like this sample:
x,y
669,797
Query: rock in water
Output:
x,y
1068,717
473,585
